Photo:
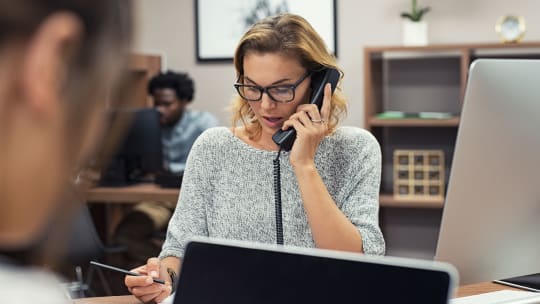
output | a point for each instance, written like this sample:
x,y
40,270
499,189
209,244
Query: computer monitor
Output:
x,y
139,156
491,219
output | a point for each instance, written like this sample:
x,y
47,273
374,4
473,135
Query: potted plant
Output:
x,y
415,29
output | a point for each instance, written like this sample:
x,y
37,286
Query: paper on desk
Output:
x,y
500,297
168,300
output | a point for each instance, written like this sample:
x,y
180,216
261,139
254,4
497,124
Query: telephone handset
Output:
x,y
285,139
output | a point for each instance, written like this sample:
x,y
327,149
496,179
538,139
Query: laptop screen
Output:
x,y
230,272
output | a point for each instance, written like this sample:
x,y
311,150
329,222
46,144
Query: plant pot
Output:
x,y
415,33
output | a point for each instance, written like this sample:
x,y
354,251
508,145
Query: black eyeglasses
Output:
x,y
278,93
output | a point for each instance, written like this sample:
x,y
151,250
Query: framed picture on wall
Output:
x,y
219,24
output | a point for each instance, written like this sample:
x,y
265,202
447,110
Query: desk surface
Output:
x,y
132,194
463,291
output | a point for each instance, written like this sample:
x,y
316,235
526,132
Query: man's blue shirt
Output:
x,y
178,139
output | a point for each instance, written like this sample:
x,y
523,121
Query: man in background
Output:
x,y
172,93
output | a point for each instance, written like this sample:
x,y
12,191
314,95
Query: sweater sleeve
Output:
x,y
361,204
189,217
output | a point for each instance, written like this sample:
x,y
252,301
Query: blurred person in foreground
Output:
x,y
59,62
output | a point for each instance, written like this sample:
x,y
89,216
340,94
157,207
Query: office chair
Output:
x,y
84,245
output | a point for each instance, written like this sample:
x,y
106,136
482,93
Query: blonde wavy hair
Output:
x,y
291,35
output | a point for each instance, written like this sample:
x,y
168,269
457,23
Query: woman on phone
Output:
x,y
329,179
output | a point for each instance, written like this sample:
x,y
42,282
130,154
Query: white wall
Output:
x,y
167,27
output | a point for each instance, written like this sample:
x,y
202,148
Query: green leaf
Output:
x,y
416,13
407,15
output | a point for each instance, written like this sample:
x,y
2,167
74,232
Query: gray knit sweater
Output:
x,y
227,191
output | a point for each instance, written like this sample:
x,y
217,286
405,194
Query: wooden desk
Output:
x,y
463,291
117,198
479,288
108,300
131,194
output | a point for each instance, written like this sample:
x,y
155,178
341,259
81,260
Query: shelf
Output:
x,y
388,200
145,63
142,68
421,54
498,52
452,47
413,122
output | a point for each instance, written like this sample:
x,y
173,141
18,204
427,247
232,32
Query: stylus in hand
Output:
x,y
131,273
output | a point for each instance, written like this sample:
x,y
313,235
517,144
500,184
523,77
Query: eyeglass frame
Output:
x,y
263,90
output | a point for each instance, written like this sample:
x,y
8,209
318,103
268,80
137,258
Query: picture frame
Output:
x,y
219,25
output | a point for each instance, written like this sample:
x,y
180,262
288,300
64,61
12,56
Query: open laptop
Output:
x,y
491,220
217,271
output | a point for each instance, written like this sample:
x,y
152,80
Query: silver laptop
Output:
x,y
217,271
491,220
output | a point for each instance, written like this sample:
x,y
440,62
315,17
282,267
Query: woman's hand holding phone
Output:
x,y
144,288
311,127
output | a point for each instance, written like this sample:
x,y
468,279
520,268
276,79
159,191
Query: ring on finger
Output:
x,y
319,121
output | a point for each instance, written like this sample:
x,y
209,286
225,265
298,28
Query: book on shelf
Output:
x,y
417,115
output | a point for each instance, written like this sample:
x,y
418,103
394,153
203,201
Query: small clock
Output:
x,y
510,28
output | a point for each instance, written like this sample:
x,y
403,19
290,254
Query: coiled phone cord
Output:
x,y
277,200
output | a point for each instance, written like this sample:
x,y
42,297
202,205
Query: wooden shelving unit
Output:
x,y
413,122
422,79
388,200
411,80
142,68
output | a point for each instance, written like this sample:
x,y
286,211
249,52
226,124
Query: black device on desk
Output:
x,y
139,156
529,282
245,273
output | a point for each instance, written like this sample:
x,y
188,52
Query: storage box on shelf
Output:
x,y
419,175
